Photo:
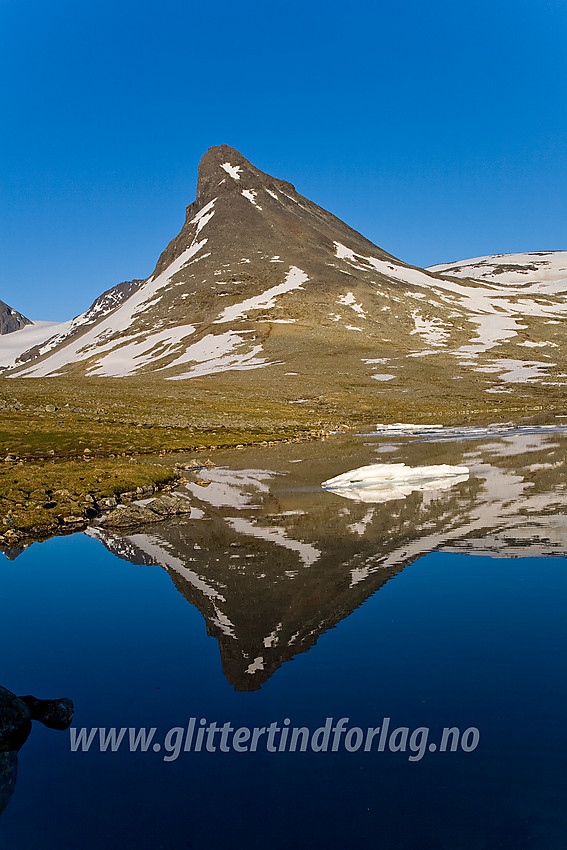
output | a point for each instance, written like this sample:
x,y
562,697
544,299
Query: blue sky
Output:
x,y
438,129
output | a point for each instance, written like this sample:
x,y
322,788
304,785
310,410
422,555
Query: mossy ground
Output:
x,y
41,498
68,442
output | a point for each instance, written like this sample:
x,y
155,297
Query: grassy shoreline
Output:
x,y
65,449
44,498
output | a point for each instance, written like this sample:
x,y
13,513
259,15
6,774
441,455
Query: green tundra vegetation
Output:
x,y
65,447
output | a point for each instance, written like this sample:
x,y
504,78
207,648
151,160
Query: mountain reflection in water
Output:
x,y
272,561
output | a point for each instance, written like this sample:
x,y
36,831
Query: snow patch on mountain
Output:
x,y
350,301
548,270
432,331
128,359
250,194
233,170
204,216
295,279
218,353
498,311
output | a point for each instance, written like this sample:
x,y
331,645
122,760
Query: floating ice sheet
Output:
x,y
384,482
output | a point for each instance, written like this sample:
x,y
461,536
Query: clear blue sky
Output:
x,y
438,129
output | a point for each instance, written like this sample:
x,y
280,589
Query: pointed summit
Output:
x,y
11,320
225,166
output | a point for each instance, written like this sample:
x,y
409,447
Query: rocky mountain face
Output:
x,y
11,320
263,281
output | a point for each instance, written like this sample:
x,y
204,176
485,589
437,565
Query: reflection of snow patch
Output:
x,y
308,554
257,664
236,488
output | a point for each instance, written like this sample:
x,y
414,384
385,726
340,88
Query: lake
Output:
x,y
299,653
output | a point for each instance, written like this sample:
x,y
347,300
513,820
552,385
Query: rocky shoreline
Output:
x,y
121,503
146,504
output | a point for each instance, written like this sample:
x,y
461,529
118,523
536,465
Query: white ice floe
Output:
x,y
233,170
405,428
384,482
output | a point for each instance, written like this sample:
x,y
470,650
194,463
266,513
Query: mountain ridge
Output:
x,y
260,278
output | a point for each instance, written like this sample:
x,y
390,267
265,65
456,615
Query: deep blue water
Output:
x,y
452,640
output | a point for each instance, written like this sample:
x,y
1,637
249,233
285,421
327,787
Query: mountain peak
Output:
x,y
262,280
223,168
11,320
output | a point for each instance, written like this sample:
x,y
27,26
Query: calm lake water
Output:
x,y
279,601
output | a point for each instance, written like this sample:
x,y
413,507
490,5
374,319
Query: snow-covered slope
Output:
x,y
262,280
13,345
539,271
61,333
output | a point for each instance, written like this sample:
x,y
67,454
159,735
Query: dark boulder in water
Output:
x,y
16,715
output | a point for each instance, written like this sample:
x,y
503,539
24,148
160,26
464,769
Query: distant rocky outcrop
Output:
x,y
11,320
